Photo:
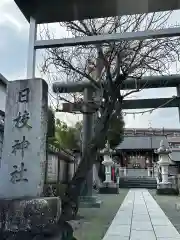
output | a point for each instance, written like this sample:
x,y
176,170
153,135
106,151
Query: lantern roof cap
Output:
x,y
107,150
163,149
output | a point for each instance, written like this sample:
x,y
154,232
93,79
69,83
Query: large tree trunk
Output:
x,y
72,192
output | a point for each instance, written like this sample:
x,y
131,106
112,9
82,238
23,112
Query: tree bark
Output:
x,y
72,192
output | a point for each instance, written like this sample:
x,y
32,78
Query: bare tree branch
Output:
x,y
113,63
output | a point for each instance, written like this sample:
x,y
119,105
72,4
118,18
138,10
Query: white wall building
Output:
x,y
3,87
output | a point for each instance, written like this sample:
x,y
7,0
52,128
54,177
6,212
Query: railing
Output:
x,y
152,132
137,173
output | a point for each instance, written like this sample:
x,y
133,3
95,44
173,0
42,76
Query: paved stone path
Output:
x,y
141,218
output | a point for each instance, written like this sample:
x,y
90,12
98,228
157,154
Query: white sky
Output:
x,y
13,58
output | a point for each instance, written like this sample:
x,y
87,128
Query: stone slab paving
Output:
x,y
141,218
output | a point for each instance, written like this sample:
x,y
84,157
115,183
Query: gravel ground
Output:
x,y
167,203
95,221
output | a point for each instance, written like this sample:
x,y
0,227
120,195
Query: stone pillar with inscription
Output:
x,y
24,150
24,154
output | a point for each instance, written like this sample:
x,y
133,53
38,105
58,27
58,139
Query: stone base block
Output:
x,y
161,185
33,215
64,231
166,189
89,202
109,188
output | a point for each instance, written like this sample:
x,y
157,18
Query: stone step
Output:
x,y
137,182
129,182
139,178
133,182
141,187
138,186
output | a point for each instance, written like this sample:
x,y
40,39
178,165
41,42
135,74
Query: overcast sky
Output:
x,y
13,58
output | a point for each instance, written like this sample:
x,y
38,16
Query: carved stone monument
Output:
x,y
24,150
23,160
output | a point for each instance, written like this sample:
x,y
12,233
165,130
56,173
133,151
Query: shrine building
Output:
x,y
137,152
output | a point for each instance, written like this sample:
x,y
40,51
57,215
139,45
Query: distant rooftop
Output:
x,y
3,80
45,11
175,156
141,142
171,132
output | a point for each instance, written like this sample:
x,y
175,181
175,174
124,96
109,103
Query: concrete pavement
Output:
x,y
141,218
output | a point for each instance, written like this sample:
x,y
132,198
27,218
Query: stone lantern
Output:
x,y
108,185
108,162
164,186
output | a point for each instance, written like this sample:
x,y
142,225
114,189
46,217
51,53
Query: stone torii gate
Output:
x,y
45,11
145,83
88,88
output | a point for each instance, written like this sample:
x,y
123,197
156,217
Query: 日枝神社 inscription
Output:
x,y
18,174
22,120
24,95
20,145
25,138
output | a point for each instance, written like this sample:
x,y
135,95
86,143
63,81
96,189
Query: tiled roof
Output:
x,y
141,142
175,156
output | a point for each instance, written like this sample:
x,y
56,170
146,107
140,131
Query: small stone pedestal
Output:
x,y
89,202
108,187
164,187
36,216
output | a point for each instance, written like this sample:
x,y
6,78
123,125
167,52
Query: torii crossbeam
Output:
x,y
45,11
